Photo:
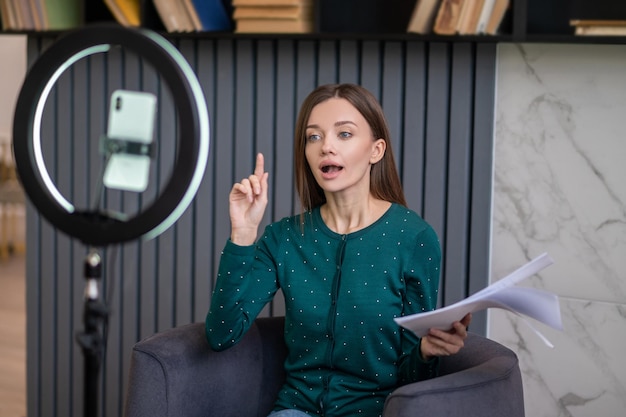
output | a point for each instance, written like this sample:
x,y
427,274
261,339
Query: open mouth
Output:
x,y
328,169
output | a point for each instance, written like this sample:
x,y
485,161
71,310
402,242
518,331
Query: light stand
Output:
x,y
91,341
94,227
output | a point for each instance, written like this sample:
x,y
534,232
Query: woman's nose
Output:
x,y
327,144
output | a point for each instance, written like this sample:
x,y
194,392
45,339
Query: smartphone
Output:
x,y
131,118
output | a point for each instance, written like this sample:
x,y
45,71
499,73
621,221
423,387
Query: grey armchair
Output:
x,y
176,374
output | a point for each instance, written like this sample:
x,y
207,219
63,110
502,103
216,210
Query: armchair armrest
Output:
x,y
483,379
175,373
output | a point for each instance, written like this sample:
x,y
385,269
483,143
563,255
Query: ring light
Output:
x,y
95,228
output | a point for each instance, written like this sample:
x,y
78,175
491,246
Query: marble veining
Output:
x,y
559,187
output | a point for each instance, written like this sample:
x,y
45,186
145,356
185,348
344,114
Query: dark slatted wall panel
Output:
x,y
439,101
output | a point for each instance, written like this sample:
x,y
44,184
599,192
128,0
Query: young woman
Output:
x,y
355,258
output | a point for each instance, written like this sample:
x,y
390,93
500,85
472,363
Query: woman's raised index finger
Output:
x,y
259,169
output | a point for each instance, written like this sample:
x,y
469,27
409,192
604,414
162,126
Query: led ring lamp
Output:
x,y
98,229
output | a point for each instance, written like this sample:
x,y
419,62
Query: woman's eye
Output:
x,y
313,137
345,135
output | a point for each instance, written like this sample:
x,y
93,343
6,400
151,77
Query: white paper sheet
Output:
x,y
538,304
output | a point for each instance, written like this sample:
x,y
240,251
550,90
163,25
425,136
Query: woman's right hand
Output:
x,y
248,200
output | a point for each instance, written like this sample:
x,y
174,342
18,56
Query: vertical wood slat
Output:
x,y
482,162
438,98
147,262
412,152
458,173
204,224
34,287
436,144
223,119
48,321
185,236
392,92
285,120
64,274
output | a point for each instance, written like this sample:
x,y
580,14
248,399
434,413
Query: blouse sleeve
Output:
x,y
246,282
421,295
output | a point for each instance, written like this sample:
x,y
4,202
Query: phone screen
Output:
x,y
131,118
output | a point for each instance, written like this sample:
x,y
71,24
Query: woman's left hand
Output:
x,y
445,343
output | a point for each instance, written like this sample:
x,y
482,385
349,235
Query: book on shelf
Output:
x,y
274,26
423,16
601,30
468,19
40,17
458,17
595,27
174,15
7,14
265,3
273,12
498,11
64,14
273,16
24,15
483,18
21,14
126,12
448,16
540,305
209,15
193,14
598,17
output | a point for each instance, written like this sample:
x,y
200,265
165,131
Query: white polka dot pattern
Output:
x,y
341,294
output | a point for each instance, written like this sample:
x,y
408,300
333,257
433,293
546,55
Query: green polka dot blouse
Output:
x,y
346,354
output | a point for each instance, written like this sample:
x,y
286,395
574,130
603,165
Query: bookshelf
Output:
x,y
540,21
534,21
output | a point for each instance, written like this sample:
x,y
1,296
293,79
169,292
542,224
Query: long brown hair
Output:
x,y
384,179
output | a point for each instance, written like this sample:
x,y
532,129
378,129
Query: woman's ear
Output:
x,y
378,150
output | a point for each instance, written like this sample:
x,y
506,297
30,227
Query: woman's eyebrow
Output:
x,y
337,124
344,122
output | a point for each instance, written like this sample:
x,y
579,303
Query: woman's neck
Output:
x,y
344,216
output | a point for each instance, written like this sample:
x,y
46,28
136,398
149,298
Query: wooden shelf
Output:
x,y
507,38
516,27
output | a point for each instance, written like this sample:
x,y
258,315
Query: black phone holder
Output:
x,y
110,146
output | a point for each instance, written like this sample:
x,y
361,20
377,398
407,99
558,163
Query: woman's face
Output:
x,y
340,147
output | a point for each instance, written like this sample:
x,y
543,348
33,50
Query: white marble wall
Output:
x,y
560,187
